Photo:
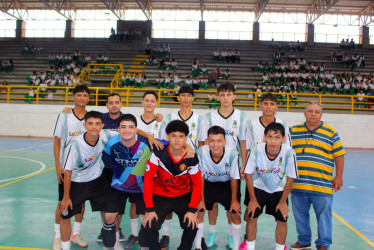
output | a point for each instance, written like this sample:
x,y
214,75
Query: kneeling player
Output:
x,y
83,167
221,175
266,169
129,158
172,183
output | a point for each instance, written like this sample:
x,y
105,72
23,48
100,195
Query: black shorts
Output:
x,y
116,202
270,201
108,174
218,192
61,189
95,191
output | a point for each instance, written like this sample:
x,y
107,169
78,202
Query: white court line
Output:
x,y
18,177
20,149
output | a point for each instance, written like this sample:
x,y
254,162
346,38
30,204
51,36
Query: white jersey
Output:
x,y
84,159
268,175
255,132
195,125
222,171
153,127
235,126
67,127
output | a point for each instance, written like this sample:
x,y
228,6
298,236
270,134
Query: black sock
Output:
x,y
109,234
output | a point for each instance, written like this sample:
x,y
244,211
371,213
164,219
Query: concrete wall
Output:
x,y
356,131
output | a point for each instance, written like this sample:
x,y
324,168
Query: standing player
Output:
x,y
172,183
220,169
129,158
67,127
83,178
265,170
255,133
234,122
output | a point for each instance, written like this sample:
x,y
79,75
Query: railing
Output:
x,y
98,69
134,95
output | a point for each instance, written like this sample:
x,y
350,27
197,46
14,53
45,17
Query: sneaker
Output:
x,y
118,246
99,238
57,244
211,239
131,241
121,236
164,242
321,248
298,246
77,239
230,241
203,244
243,246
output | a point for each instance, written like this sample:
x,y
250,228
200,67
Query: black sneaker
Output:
x,y
164,242
99,238
121,236
203,244
131,240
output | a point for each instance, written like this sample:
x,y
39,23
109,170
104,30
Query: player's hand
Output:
x,y
159,117
192,220
148,217
153,142
337,183
283,208
242,174
65,204
252,206
59,172
67,110
235,207
188,150
201,206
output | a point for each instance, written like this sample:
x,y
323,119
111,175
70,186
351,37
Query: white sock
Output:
x,y
199,235
244,225
76,228
166,227
236,233
230,229
65,245
57,231
117,237
134,227
251,245
212,229
278,246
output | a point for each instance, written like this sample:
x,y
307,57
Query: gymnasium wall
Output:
x,y
356,131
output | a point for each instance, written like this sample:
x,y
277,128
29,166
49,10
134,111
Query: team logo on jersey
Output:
x,y
234,123
147,168
182,167
94,157
103,142
76,133
192,136
155,127
193,125
227,165
139,152
280,160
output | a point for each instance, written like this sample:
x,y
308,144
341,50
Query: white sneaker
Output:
x,y
118,246
57,244
77,239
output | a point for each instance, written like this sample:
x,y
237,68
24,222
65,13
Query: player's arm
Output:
x,y
235,204
152,141
66,202
339,167
282,205
243,152
189,151
56,152
159,117
149,174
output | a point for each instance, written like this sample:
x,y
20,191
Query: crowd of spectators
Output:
x,y
226,55
6,66
346,44
134,35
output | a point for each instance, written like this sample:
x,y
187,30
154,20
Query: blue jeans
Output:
x,y
322,205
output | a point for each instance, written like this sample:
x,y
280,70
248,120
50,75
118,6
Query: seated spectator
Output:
x,y
174,65
360,99
213,78
4,86
148,49
204,83
216,55
195,83
237,56
204,70
227,74
30,95
188,81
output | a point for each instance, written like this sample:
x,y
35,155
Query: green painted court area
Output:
x,y
27,207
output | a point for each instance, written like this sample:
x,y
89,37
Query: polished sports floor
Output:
x,y
28,195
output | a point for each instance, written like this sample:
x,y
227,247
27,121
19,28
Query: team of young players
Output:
x,y
172,181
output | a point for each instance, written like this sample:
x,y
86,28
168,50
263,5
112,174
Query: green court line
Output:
x,y
26,177
366,239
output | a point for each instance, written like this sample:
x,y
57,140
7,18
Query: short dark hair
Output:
x,y
226,87
185,89
128,117
150,92
276,127
216,130
93,114
177,126
81,88
269,96
113,94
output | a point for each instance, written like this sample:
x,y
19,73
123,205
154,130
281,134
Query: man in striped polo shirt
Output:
x,y
318,149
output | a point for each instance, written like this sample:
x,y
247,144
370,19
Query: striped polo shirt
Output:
x,y
315,152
